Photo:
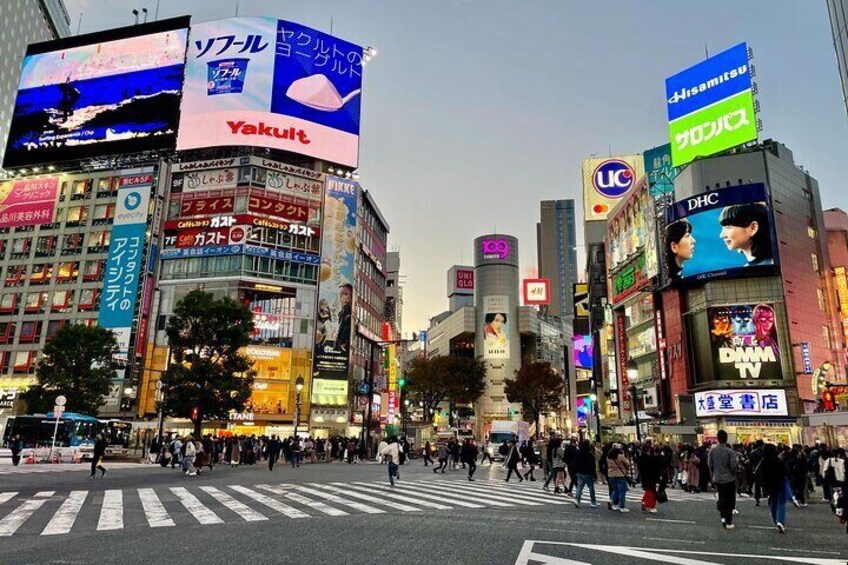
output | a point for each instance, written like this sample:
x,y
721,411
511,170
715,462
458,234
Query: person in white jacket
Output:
x,y
392,451
190,453
380,449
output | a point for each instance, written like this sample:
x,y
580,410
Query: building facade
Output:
x,y
838,11
556,255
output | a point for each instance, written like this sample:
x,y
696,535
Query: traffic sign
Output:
x,y
58,411
61,400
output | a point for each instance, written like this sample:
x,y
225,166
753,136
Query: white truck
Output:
x,y
505,431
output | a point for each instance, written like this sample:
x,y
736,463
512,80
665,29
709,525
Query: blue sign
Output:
x,y
284,254
659,170
708,82
613,178
210,251
806,357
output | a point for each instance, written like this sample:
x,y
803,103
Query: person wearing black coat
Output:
x,y
585,467
531,459
799,466
468,454
650,471
512,461
97,457
774,475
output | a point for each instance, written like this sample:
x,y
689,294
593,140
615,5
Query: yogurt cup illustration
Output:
x,y
226,76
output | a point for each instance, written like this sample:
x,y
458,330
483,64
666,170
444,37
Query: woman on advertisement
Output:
x,y
745,229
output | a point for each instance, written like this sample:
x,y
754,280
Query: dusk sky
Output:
x,y
475,110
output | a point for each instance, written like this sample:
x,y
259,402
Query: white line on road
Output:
x,y
425,496
490,500
678,540
112,511
271,503
669,520
804,550
366,498
15,519
333,498
45,494
300,499
197,509
493,498
64,518
155,513
368,488
231,503
7,496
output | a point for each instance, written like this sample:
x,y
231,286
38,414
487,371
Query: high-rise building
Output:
x,y
394,292
556,255
23,22
838,10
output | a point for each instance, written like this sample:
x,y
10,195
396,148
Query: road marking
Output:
x,y
64,518
236,506
7,496
45,494
367,498
369,489
491,500
270,502
112,511
763,527
805,550
670,521
333,498
424,496
197,509
535,495
157,516
15,519
678,540
300,499
527,499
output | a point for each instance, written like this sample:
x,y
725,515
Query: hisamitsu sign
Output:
x,y
745,402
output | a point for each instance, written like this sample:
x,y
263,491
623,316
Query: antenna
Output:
x,y
156,13
331,25
706,51
237,7
79,23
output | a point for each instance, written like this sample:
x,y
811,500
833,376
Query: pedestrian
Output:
x,y
428,454
693,470
557,473
391,452
188,460
486,455
200,457
798,468
176,448
469,457
442,458
273,451
650,471
570,451
295,452
97,457
754,459
16,446
380,448
835,475
774,475
586,468
618,468
454,450
512,461
723,463
532,460
235,452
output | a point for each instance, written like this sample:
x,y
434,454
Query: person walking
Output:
x,y
618,468
532,460
391,453
273,451
650,471
798,467
16,446
188,461
723,464
774,474
512,461
754,459
469,457
443,458
380,448
97,457
585,466
557,474
428,454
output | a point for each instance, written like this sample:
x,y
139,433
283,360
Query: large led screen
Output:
x,y
265,82
582,351
99,94
719,234
743,340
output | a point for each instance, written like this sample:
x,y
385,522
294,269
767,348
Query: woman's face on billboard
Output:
x,y
737,238
685,248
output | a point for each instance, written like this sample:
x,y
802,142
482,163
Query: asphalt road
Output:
x,y
339,513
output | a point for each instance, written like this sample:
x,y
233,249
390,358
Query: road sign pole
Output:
x,y
58,410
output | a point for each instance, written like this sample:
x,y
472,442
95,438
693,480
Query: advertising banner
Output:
x,y
207,206
335,291
606,181
496,327
263,82
632,237
460,280
722,233
842,295
659,170
203,237
28,202
221,179
746,402
744,342
581,300
537,292
278,208
582,347
125,260
104,93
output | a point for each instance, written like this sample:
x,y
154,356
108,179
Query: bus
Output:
x,y
36,430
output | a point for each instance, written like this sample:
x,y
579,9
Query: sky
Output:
x,y
476,110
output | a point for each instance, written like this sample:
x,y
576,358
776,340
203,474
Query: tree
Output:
x,y
208,376
430,381
538,388
77,363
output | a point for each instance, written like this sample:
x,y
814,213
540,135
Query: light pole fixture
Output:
x,y
632,378
298,386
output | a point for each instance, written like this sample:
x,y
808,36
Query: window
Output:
x,y
41,274
54,326
72,244
45,246
98,239
107,185
820,296
67,271
104,211
92,270
7,332
9,303
815,262
30,332
77,214
62,301
826,336
81,189
35,302
23,362
88,299
21,244
15,274
811,232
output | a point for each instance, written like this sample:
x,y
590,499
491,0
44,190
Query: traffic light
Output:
x,y
195,413
401,382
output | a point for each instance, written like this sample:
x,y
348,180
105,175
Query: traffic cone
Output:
x,y
31,459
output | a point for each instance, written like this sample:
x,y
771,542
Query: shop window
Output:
x,y
9,303
63,301
7,332
35,302
88,299
54,326
45,246
15,274
67,271
30,331
41,274
92,270
24,361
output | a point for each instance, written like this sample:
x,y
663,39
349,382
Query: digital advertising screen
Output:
x,y
496,327
744,343
720,234
99,94
264,82
582,351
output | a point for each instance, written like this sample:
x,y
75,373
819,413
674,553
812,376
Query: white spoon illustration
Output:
x,y
318,93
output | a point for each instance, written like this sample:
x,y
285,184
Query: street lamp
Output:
x,y
405,414
632,377
298,386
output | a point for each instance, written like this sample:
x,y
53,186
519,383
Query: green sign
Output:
x,y
713,129
630,278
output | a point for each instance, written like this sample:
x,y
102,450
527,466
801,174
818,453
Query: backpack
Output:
x,y
402,456
503,450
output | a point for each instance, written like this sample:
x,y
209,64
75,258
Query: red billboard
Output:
x,y
28,202
207,206
278,208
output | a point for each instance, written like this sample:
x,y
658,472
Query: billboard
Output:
x,y
659,170
99,94
842,295
743,341
581,300
632,242
460,280
711,106
582,347
721,233
125,260
537,292
28,202
496,327
263,82
746,402
333,325
606,181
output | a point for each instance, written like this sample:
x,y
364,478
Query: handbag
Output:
x,y
626,476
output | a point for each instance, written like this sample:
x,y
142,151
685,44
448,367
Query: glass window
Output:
x,y
62,300
45,245
92,268
67,271
23,360
20,244
54,326
30,331
820,296
88,298
102,211
34,300
815,262
78,213
811,231
8,302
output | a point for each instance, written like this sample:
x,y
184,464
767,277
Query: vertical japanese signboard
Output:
x,y
123,266
842,295
335,294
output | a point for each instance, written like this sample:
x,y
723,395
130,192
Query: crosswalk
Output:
x,y
49,513
22,469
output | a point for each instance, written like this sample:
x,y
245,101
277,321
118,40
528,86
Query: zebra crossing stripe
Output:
x,y
45,494
337,500
370,489
7,496
270,502
502,495
112,511
197,509
231,503
367,498
64,518
527,494
300,499
15,519
489,499
157,516
423,495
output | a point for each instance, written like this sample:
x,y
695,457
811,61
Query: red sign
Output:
x,y
28,202
537,292
207,206
278,208
621,342
147,302
201,237
465,279
135,180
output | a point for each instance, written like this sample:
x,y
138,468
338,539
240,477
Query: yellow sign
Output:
x,y
842,294
393,379
606,181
